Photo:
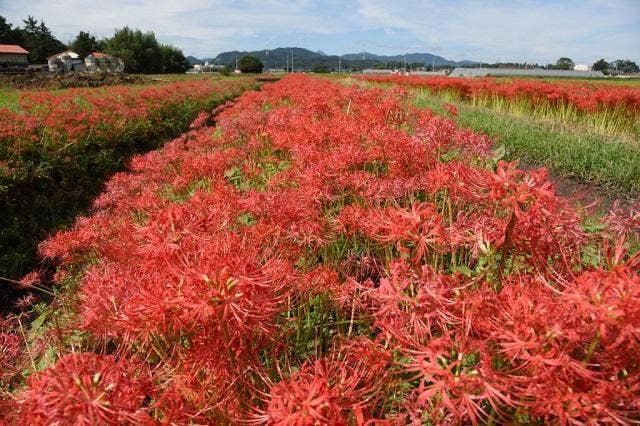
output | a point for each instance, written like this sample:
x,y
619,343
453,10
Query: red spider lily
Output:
x,y
206,257
586,99
337,390
412,308
10,346
451,109
86,389
31,279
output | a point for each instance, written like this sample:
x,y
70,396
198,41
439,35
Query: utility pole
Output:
x,y
405,64
292,69
236,63
339,64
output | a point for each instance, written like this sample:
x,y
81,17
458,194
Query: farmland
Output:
x,y
568,142
328,253
57,147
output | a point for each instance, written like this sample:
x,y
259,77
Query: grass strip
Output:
x,y
612,163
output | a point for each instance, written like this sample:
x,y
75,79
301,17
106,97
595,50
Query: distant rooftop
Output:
x,y
98,55
12,48
69,53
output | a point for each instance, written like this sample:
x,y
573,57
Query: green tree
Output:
x,y
8,34
601,65
625,66
564,64
140,51
84,44
173,60
39,41
322,69
251,65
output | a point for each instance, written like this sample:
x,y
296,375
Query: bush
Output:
x,y
251,65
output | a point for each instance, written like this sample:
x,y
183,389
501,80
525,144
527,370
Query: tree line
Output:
x,y
141,51
619,66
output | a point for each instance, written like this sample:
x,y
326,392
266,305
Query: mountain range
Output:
x,y
304,59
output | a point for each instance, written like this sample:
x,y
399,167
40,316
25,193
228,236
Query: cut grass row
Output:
x,y
612,163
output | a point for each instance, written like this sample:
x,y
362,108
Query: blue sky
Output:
x,y
518,30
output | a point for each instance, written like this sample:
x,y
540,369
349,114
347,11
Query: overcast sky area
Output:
x,y
509,30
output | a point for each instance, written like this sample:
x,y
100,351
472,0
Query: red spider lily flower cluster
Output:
x,y
60,122
585,96
620,105
86,389
330,255
76,111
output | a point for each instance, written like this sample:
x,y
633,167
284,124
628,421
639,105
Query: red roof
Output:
x,y
100,55
12,48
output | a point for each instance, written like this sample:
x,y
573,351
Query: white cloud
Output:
x,y
515,30
203,27
531,30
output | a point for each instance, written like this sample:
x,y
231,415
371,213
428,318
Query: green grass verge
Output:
x,y
8,98
610,162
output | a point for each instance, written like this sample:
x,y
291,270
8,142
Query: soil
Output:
x,y
595,198
64,81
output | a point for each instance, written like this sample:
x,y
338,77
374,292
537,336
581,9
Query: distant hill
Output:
x,y
304,59
425,58
193,60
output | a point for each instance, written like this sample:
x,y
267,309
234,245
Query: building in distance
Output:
x,y
13,58
65,62
103,62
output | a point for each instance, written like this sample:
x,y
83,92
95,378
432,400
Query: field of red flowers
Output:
x,y
56,148
61,122
331,255
603,106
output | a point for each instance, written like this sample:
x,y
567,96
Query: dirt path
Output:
x,y
585,193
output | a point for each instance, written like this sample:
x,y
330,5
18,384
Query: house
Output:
x,y
13,58
103,62
205,68
65,61
581,67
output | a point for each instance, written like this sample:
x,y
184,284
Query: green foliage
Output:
x,y
267,168
322,69
624,66
608,162
84,44
173,60
142,54
140,51
251,65
619,66
564,64
601,65
39,41
8,34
